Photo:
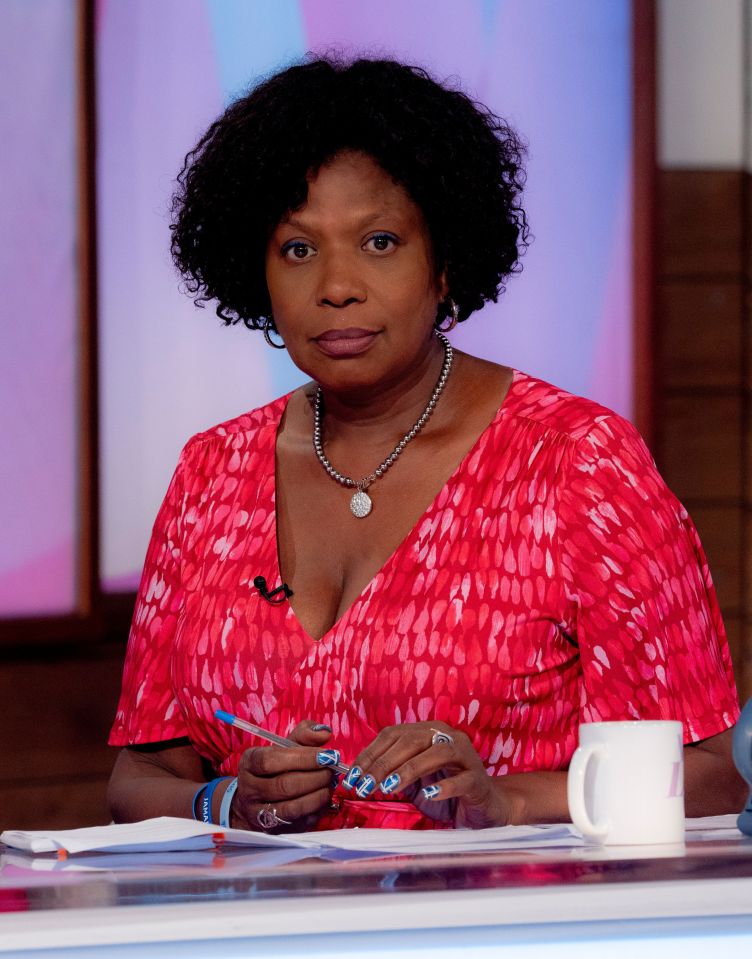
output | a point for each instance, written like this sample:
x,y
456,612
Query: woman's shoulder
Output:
x,y
255,429
560,412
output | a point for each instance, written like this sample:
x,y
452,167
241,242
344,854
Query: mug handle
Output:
x,y
576,791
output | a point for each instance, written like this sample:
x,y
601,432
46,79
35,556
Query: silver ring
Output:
x,y
267,818
441,739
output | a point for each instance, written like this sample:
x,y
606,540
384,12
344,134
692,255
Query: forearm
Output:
x,y
712,786
164,783
151,796
534,797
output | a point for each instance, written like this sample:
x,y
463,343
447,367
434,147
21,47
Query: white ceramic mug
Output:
x,y
626,782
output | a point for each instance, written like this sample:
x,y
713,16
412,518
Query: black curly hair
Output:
x,y
461,164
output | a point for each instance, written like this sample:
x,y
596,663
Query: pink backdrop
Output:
x,y
38,279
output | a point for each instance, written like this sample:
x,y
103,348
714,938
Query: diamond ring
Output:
x,y
267,818
441,739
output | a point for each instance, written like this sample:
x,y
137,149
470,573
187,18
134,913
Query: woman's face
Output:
x,y
351,278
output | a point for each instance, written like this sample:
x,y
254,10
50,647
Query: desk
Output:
x,y
558,902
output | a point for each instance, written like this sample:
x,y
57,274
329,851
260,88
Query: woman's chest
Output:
x,y
484,538
465,586
327,554
468,607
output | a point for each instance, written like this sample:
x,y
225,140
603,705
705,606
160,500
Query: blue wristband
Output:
x,y
206,799
194,806
224,809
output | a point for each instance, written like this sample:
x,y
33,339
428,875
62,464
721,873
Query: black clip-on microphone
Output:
x,y
260,584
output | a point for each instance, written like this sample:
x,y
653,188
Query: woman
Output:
x,y
474,560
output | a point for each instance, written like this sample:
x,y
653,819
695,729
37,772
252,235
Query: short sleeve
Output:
x,y
148,711
646,616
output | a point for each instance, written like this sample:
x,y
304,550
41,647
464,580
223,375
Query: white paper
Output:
x,y
711,822
424,841
163,862
712,827
168,833
150,835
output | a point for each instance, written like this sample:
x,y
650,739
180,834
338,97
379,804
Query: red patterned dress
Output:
x,y
553,580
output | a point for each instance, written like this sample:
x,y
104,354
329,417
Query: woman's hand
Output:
x,y
293,783
402,758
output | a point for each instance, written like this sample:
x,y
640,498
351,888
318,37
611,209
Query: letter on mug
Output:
x,y
676,788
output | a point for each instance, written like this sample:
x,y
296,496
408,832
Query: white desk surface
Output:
x,y
496,903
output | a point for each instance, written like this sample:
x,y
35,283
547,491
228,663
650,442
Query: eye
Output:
x,y
380,242
297,250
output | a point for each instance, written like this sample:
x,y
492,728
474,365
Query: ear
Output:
x,y
442,285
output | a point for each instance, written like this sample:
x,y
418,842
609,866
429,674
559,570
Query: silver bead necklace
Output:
x,y
361,503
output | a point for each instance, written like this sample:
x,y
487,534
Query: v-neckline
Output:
x,y
402,545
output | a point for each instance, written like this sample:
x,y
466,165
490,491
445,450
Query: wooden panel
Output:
x,y
644,185
700,222
741,653
56,717
747,569
747,186
705,352
720,530
747,454
88,386
701,446
700,329
109,625
66,804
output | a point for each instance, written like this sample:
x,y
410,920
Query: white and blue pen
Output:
x,y
326,758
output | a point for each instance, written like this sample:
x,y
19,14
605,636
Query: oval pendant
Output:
x,y
361,504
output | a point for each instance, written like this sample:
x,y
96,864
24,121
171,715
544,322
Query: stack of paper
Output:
x,y
170,834
166,833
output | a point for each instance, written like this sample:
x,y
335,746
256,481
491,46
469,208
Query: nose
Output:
x,y
340,281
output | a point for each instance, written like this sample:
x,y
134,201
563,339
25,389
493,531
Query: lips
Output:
x,y
351,341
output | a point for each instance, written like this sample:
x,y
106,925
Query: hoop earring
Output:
x,y
268,327
454,317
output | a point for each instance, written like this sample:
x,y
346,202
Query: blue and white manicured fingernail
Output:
x,y
352,777
327,757
365,787
320,728
431,792
389,784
